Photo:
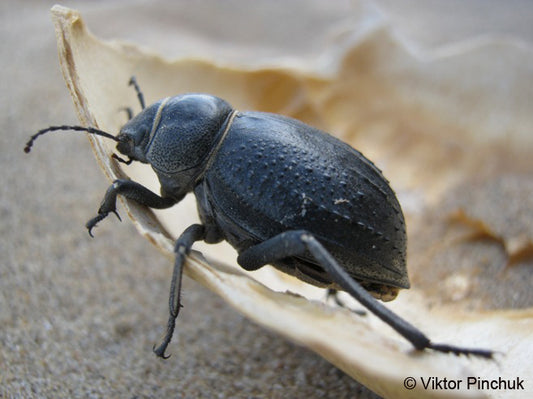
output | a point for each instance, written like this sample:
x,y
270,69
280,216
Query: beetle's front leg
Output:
x,y
297,242
133,191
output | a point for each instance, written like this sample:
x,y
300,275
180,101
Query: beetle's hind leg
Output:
x,y
297,242
182,248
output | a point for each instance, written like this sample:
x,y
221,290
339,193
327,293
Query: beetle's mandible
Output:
x,y
279,191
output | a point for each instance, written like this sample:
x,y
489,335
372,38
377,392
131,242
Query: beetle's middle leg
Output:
x,y
133,191
297,242
334,294
182,248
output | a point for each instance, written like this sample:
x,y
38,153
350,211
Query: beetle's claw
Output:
x,y
93,222
160,351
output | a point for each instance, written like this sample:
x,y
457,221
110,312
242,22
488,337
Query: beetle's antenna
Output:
x,y
91,130
140,96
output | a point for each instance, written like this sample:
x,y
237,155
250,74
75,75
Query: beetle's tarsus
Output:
x,y
484,353
160,351
130,190
91,224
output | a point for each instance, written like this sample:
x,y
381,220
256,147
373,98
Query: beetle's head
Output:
x,y
136,134
174,135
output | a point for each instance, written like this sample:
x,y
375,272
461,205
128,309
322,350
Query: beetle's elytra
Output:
x,y
279,191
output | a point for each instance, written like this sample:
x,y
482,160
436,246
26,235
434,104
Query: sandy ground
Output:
x,y
79,316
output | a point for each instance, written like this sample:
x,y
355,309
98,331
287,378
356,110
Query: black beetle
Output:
x,y
279,191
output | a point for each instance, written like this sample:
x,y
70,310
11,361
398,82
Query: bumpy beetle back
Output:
x,y
291,176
